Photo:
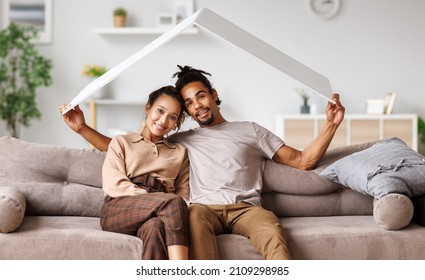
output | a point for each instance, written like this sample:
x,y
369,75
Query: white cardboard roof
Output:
x,y
206,19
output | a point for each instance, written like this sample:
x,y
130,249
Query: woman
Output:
x,y
146,181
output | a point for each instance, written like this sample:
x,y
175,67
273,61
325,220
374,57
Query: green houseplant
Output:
x,y
120,12
421,130
421,135
120,17
22,71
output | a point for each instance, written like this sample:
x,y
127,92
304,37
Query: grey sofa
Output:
x,y
50,198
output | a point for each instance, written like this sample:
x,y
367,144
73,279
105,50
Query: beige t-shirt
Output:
x,y
131,155
227,161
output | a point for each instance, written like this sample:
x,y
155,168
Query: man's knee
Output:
x,y
269,227
204,227
198,213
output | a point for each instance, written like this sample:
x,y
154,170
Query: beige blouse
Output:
x,y
131,155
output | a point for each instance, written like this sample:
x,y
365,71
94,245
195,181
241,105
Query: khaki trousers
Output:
x,y
259,225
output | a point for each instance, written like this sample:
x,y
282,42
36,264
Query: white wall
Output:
x,y
370,48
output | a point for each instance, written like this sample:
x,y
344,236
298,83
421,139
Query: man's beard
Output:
x,y
208,121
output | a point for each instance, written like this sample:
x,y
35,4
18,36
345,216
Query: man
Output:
x,y
226,164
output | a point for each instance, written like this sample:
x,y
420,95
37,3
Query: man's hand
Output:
x,y
74,118
335,112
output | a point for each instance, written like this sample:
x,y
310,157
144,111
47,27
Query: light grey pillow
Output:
x,y
12,209
389,166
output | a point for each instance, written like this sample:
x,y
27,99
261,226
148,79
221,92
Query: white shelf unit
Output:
x,y
299,130
94,103
133,30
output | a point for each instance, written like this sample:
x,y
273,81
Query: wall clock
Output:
x,y
325,8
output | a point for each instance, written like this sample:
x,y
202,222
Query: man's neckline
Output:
x,y
212,127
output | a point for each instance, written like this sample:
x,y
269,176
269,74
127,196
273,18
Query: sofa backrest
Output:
x,y
292,192
66,181
54,180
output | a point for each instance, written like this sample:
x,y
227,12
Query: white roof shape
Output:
x,y
206,19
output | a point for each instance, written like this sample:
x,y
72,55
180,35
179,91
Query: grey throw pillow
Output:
x,y
389,166
12,209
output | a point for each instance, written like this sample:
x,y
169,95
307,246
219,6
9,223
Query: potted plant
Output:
x,y
304,95
94,71
421,134
22,71
120,17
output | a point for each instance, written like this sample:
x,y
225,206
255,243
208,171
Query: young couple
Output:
x,y
146,176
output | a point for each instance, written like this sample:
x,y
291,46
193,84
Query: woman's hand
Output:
x,y
74,118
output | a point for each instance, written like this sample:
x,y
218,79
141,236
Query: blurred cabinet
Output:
x,y
299,130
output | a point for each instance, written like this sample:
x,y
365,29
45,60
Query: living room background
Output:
x,y
370,48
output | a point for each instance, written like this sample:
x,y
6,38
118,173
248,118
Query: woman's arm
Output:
x,y
76,121
182,180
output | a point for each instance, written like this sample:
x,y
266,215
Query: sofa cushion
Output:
x,y
351,238
236,247
54,180
389,166
345,201
285,179
46,163
67,238
12,209
393,211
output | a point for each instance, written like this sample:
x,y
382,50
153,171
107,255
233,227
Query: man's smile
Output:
x,y
202,113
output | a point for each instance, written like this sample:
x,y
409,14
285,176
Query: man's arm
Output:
x,y
76,121
313,153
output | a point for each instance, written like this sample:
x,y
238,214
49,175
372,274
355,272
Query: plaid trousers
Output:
x,y
159,219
